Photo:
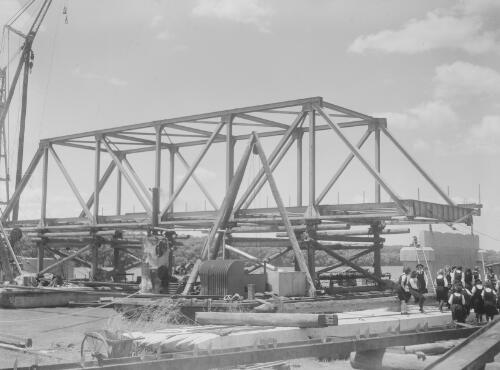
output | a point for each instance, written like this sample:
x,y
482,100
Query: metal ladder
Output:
x,y
420,253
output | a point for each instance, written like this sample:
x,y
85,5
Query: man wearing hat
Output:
x,y
422,283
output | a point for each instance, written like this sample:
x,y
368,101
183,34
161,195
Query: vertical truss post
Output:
x,y
118,192
311,207
377,246
171,175
156,189
377,162
43,213
40,255
286,221
158,157
117,266
97,176
299,135
95,259
228,120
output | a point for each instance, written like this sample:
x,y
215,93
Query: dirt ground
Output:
x,y
58,332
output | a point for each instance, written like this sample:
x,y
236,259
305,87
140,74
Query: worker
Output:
x,y
491,277
468,279
403,290
415,290
476,274
477,302
441,289
447,275
458,275
421,278
490,301
457,303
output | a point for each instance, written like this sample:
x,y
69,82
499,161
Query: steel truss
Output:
x,y
312,226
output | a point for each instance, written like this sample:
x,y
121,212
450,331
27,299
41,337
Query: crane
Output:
x,y
24,65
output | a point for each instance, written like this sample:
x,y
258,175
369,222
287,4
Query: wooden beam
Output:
x,y
301,320
350,264
248,256
62,260
351,258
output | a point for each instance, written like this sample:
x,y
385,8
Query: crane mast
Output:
x,y
24,65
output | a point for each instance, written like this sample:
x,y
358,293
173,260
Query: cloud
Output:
x,y
465,79
164,35
156,20
479,6
459,28
111,80
254,12
485,136
431,114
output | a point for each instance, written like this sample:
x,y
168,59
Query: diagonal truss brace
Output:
x,y
71,184
362,159
204,150
417,166
129,179
342,168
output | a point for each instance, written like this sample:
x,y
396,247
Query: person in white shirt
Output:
x,y
403,290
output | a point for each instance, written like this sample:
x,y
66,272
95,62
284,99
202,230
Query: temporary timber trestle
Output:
x,y
311,225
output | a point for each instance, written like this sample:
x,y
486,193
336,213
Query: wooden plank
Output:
x,y
474,352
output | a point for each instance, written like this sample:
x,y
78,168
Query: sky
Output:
x,y
430,67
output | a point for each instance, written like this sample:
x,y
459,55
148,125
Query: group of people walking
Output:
x,y
460,290
412,283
